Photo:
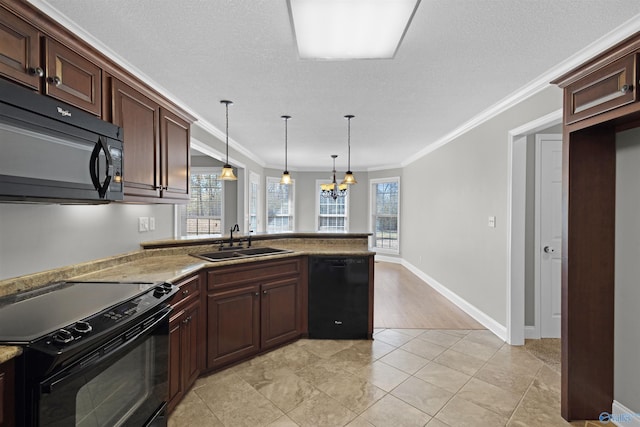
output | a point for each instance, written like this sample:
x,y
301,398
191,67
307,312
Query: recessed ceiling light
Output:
x,y
350,29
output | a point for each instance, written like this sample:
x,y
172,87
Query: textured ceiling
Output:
x,y
458,58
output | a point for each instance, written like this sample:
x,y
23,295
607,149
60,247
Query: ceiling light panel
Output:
x,y
350,29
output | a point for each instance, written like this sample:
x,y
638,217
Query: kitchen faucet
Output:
x,y
234,228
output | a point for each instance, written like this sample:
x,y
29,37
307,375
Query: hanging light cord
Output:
x,y
349,142
286,119
227,129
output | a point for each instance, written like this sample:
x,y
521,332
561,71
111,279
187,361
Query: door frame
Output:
x,y
536,330
516,211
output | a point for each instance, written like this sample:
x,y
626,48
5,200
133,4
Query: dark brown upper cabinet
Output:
x,y
175,138
54,70
20,51
156,144
606,89
139,117
72,78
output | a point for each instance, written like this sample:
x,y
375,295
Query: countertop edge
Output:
x,y
8,352
214,239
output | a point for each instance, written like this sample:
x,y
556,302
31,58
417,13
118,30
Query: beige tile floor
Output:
x,y
404,377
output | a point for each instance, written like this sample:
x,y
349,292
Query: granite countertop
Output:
x,y
175,267
8,352
170,261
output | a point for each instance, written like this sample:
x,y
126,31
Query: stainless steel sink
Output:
x,y
240,253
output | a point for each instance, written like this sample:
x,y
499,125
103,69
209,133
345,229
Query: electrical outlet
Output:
x,y
152,223
492,221
143,224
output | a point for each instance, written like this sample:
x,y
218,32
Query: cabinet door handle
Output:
x,y
257,293
37,71
55,80
626,88
185,292
264,292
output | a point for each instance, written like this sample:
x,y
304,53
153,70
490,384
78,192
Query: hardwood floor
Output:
x,y
402,300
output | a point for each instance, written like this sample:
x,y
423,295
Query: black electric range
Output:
x,y
76,333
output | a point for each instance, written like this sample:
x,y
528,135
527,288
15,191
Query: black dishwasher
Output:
x,y
338,297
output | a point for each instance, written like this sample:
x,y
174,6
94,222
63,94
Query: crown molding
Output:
x,y
615,36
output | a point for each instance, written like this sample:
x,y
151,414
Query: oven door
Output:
x,y
123,383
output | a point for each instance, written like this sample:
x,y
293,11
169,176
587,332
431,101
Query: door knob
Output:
x,y
549,249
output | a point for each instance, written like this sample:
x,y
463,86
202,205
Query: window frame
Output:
x,y
254,178
182,209
346,208
292,204
372,202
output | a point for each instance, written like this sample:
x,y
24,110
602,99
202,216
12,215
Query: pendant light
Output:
x,y
286,178
348,177
332,189
227,171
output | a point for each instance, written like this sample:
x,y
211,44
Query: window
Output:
x,y
280,205
203,213
332,215
254,201
385,218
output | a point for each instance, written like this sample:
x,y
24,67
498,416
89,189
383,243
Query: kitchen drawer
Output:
x,y
189,291
230,276
606,89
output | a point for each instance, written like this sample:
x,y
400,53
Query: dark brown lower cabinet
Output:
x,y
186,340
7,394
279,312
261,309
233,325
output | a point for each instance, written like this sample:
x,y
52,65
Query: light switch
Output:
x,y
143,224
492,221
152,223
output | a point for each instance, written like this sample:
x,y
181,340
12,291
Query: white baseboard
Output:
x,y
386,258
487,321
623,416
531,333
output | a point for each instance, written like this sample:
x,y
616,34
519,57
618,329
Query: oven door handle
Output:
x,y
97,356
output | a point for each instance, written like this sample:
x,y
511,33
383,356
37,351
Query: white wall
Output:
x,y
627,271
35,237
447,197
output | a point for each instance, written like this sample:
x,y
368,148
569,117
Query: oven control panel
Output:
x,y
103,323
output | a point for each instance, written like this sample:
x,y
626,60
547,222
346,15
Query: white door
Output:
x,y
549,230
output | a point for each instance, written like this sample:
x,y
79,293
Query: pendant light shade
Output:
x,y
349,178
227,171
286,178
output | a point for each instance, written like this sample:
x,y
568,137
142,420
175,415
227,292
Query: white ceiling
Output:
x,y
458,58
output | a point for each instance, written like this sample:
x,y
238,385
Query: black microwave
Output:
x,y
55,153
